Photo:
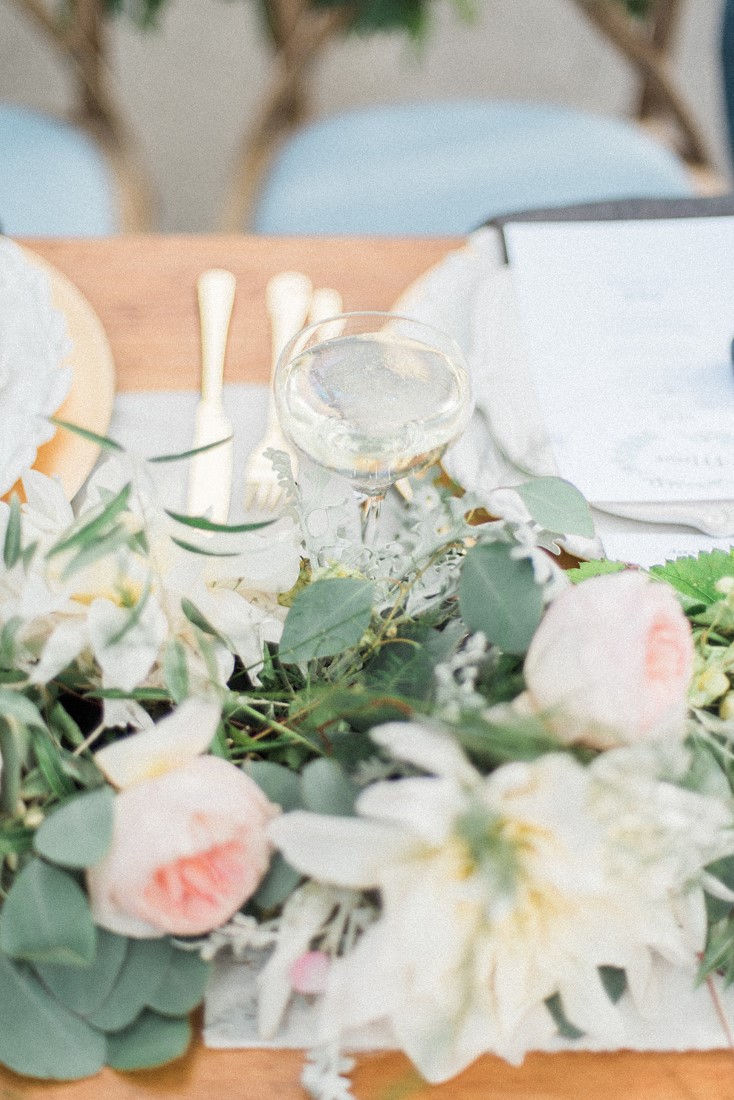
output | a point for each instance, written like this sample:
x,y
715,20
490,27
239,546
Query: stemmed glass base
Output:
x,y
370,509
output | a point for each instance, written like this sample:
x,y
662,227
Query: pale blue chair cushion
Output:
x,y
443,168
54,181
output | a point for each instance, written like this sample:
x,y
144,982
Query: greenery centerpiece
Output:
x,y
218,736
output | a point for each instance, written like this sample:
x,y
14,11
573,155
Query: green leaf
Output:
x,y
48,757
401,667
181,455
719,949
46,918
566,1029
327,789
82,989
102,441
18,707
280,881
195,617
200,523
38,1036
80,832
151,1040
7,641
557,505
281,785
175,670
12,546
142,971
614,980
697,577
100,547
491,744
183,984
499,596
329,616
93,527
599,568
191,548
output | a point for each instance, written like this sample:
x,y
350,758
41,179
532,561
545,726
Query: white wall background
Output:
x,y
190,87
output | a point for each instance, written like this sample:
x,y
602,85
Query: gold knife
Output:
x,y
210,476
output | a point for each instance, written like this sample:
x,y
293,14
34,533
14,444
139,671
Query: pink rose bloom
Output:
x,y
611,662
188,849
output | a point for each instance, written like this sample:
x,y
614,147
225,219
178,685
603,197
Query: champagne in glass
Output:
x,y
373,397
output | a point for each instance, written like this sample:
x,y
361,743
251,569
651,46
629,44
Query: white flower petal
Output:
x,y
430,749
125,656
64,645
172,742
345,851
427,807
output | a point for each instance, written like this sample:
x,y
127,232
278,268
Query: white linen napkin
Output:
x,y
154,423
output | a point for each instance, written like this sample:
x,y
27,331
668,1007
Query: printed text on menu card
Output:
x,y
628,327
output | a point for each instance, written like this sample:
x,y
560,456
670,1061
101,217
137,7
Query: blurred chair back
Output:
x,y
75,177
443,168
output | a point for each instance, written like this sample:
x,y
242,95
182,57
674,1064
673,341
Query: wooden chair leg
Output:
x,y
81,39
652,64
300,33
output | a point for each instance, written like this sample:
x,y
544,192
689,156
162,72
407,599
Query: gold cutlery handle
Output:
x,y
215,290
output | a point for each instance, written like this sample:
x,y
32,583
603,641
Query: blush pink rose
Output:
x,y
188,849
611,662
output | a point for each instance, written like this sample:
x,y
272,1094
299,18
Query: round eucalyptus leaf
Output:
x,y
499,596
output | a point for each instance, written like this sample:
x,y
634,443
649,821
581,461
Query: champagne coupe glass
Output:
x,y
373,397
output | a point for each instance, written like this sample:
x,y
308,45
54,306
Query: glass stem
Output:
x,y
370,507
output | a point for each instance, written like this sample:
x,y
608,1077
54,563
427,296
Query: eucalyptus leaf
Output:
x,y
15,706
83,989
498,595
141,973
39,1037
280,881
80,832
182,985
46,918
151,1040
557,505
327,617
327,789
281,785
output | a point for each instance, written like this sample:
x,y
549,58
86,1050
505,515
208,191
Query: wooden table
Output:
x,y
143,290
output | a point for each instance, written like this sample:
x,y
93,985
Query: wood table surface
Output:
x,y
143,289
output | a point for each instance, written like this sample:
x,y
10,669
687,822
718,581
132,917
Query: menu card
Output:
x,y
628,327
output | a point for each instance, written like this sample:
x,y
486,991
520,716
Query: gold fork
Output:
x,y
290,299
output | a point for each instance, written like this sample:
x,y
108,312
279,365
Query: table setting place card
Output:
x,y
602,354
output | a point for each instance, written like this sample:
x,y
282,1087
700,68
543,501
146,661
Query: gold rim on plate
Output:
x,y
90,400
